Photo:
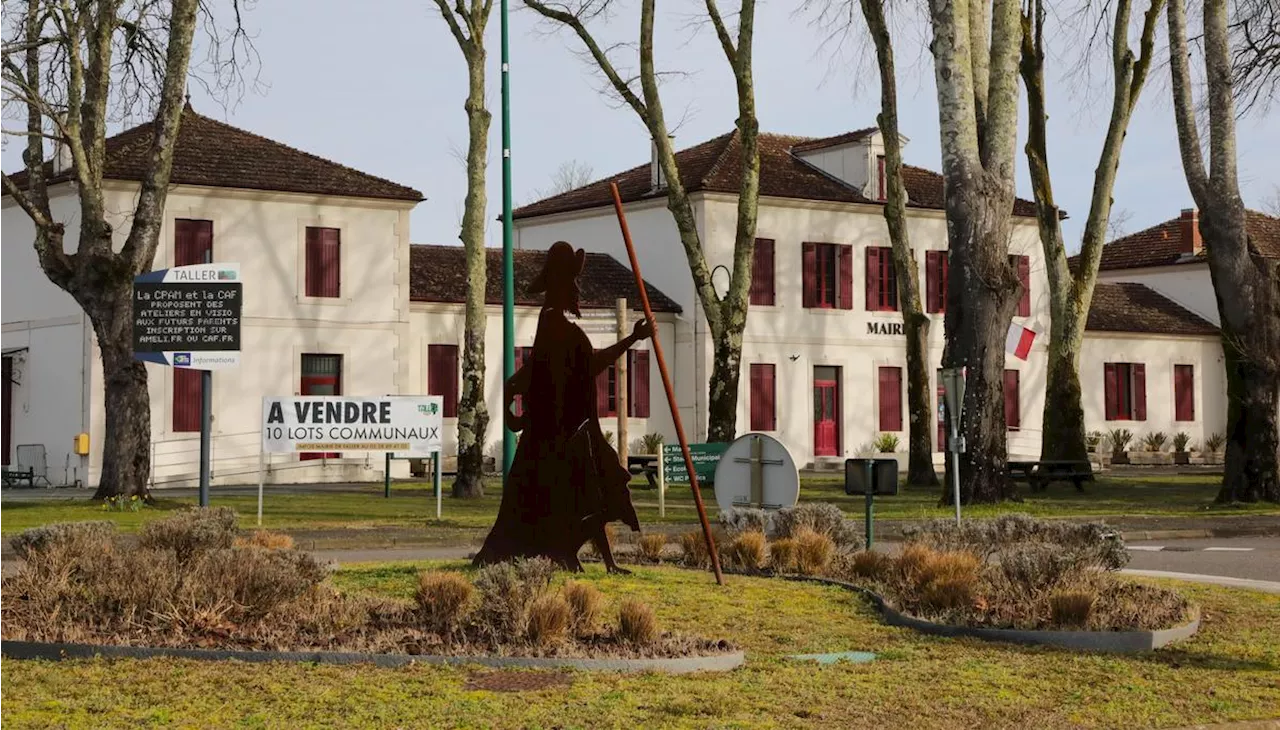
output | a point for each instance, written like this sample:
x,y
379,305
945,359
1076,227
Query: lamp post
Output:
x,y
508,265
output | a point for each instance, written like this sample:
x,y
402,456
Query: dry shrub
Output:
x,y
782,555
947,594
651,545
506,591
444,599
1030,571
549,616
584,607
820,517
265,539
870,565
254,580
746,551
190,532
1123,605
1092,544
636,622
911,560
814,551
737,520
1072,607
694,548
948,566
71,538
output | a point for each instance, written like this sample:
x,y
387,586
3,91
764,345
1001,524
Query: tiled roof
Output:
x,y
821,143
439,274
211,153
716,166
1160,245
1136,308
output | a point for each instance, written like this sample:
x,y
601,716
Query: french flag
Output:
x,y
1018,342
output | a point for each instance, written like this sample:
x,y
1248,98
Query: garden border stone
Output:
x,y
1108,641
674,665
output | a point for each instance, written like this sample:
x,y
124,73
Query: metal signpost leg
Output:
x,y
508,262
662,483
261,456
955,472
386,478
439,491
870,492
206,417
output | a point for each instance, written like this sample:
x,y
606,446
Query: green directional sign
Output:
x,y
706,457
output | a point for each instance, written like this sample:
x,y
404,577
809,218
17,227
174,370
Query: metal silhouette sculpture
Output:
x,y
565,482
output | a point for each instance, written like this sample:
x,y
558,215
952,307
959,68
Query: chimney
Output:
x,y
657,178
1189,230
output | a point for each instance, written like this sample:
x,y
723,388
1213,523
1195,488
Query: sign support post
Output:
x,y
871,490
953,382
386,477
439,491
662,483
261,457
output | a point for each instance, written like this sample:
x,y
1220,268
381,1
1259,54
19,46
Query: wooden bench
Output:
x,y
1040,474
646,464
17,476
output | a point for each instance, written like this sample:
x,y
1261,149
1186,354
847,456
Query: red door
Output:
x,y
8,406
826,417
321,375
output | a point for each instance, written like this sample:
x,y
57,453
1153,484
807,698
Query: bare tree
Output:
x,y
1254,27
60,63
467,21
1246,284
1118,223
570,175
726,316
977,85
1272,204
1070,294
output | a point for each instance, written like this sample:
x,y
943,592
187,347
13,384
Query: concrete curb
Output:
x,y
1265,586
676,665
1106,641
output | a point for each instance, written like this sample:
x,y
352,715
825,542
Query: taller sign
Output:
x,y
188,316
405,425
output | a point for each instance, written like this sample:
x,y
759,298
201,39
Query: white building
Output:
x,y
823,354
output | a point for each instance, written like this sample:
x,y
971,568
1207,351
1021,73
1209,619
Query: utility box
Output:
x,y
883,476
82,444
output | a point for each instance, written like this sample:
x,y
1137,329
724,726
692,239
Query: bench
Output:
x,y
1039,474
646,464
17,476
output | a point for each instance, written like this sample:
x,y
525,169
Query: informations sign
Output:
x,y
188,316
321,423
705,459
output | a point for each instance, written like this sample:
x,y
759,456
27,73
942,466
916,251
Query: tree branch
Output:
x,y
601,59
726,42
449,18
1184,104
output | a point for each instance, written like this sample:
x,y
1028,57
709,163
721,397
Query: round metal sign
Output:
x,y
757,471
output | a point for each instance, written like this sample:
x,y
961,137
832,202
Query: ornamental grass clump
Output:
x,y
584,607
637,624
1072,607
693,547
782,555
814,551
444,599
549,619
870,565
651,545
747,551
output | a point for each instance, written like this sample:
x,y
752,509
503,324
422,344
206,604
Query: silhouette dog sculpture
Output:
x,y
565,482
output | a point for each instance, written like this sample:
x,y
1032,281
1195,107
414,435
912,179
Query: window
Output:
x,y
638,383
1184,393
936,267
192,242
1012,403
764,392
324,262
321,375
882,281
442,376
1023,265
1125,386
188,387
523,356
762,293
828,276
882,181
890,399
607,391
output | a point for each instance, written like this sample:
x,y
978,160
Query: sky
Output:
x,y
379,85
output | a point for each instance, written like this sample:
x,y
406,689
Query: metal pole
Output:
x,y
508,266
870,492
438,480
206,418
955,481
386,477
261,454
662,482
666,384
620,386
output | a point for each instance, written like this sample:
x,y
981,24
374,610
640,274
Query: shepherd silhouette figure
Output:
x,y
565,483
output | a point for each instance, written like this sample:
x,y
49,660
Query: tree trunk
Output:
x,y
722,406
473,416
126,456
920,471
1249,474
1064,430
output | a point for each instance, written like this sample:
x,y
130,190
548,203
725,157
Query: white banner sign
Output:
x,y
408,425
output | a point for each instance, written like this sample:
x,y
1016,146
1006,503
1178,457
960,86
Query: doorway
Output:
x,y
826,411
321,375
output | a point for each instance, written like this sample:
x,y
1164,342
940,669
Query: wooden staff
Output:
x,y
666,383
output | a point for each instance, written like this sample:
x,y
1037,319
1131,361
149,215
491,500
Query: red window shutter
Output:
x,y
873,279
1024,277
809,263
187,392
324,262
641,370
442,376
888,281
1184,393
846,277
763,391
1109,381
1012,403
191,240
605,384
881,178
762,273
890,399
1139,392
931,281
754,396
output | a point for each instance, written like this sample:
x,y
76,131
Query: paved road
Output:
x,y
1255,558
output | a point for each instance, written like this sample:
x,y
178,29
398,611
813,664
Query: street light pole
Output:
x,y
508,265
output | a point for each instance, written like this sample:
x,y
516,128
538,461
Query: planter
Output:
x,y
1150,458
1181,458
1214,458
1120,457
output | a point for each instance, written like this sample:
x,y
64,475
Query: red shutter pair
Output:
x,y
1184,393
815,257
1125,391
890,399
1012,402
638,387
442,376
762,273
763,384
187,392
1023,265
192,240
882,280
192,243
324,262
935,276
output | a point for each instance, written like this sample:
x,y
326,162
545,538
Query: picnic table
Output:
x,y
1039,474
15,476
646,464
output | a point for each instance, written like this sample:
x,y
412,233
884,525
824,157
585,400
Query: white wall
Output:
x,y
1159,353
443,324
27,295
1187,284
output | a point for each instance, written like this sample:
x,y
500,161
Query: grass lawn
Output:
x,y
1230,671
413,505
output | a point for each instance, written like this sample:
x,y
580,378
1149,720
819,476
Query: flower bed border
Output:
x,y
1107,641
674,665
